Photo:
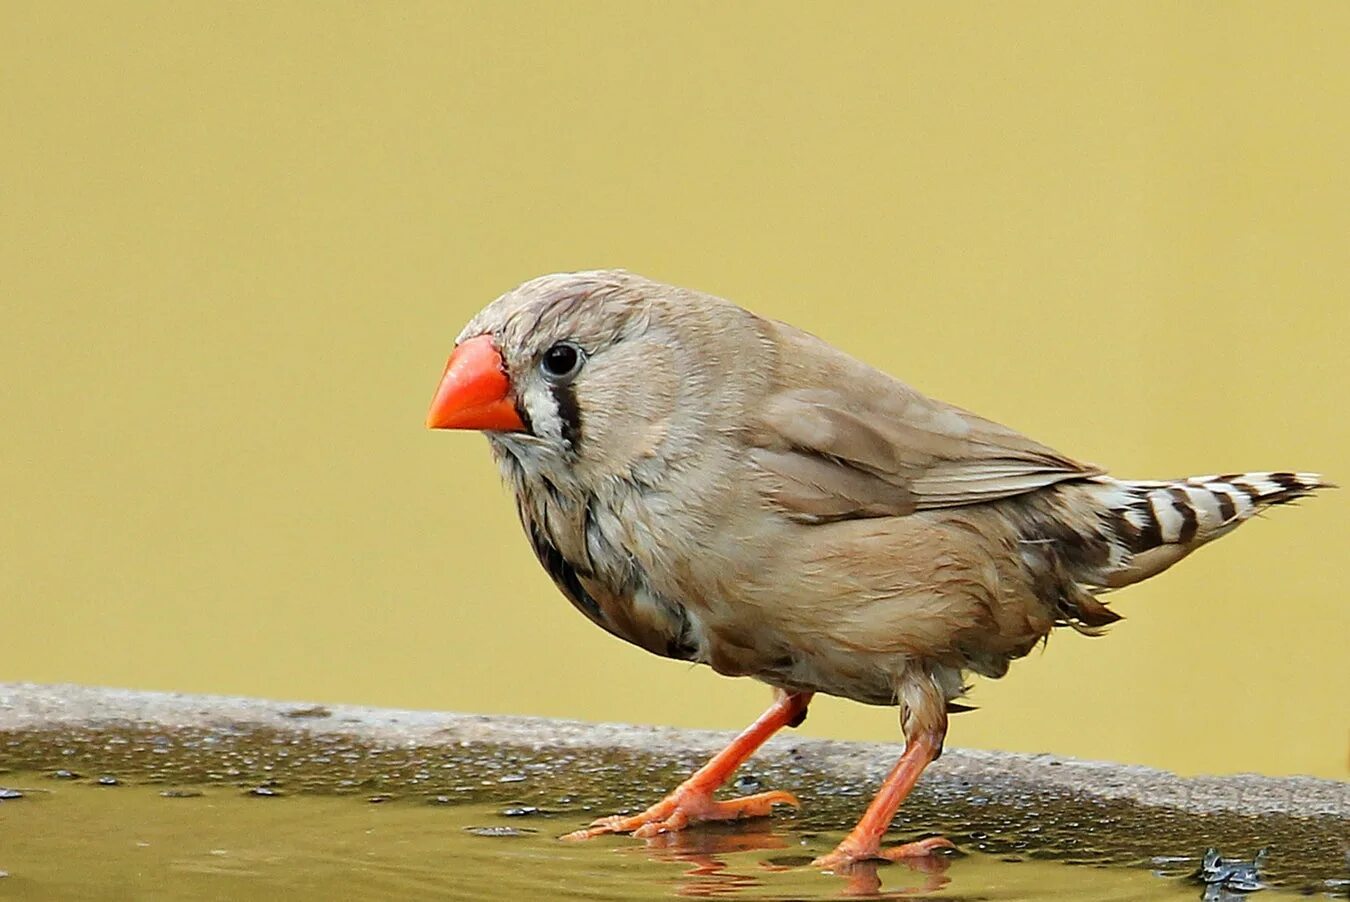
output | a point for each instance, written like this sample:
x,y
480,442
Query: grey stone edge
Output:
x,y
32,707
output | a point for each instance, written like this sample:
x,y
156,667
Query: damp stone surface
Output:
x,y
382,803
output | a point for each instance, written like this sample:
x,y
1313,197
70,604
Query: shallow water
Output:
x,y
243,811
79,841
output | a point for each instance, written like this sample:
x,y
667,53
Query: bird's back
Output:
x,y
902,529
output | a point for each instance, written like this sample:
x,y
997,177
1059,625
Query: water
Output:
x,y
80,841
243,812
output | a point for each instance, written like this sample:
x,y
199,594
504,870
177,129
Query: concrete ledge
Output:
x,y
67,739
32,709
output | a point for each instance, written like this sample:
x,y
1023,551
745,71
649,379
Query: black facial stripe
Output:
x,y
524,416
569,414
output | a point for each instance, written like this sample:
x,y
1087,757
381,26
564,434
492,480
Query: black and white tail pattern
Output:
x,y
1156,523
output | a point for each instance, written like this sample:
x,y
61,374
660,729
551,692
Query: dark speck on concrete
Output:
x,y
314,711
748,783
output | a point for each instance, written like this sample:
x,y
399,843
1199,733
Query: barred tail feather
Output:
x,y
1156,524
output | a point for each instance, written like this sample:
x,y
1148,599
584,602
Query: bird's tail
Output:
x,y
1156,524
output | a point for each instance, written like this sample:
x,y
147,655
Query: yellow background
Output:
x,y
238,241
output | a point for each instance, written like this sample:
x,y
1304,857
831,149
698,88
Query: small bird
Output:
x,y
721,488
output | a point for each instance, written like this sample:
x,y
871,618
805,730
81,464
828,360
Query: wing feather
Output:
x,y
878,448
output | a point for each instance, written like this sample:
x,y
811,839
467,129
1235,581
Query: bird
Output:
x,y
718,487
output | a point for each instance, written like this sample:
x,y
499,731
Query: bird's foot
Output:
x,y
850,852
684,807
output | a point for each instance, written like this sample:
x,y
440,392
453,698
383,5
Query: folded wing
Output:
x,y
848,441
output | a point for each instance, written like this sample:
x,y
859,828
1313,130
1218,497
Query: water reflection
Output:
x,y
864,878
182,840
701,849
708,875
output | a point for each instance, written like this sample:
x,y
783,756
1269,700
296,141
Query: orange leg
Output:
x,y
865,841
693,800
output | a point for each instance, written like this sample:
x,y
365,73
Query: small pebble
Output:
x,y
64,774
520,811
181,793
107,780
266,792
10,794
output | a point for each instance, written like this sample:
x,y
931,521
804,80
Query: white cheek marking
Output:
x,y
543,411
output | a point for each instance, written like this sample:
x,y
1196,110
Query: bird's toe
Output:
x,y
921,849
681,809
847,854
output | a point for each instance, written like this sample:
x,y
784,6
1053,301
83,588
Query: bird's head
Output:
x,y
577,376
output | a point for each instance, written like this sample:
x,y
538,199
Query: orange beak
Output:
x,y
474,391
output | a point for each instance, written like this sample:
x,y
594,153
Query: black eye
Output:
x,y
562,361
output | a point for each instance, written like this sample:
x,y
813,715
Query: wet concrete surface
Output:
x,y
1018,806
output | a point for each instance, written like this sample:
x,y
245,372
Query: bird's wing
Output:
x,y
839,440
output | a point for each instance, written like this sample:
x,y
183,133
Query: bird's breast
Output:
x,y
603,580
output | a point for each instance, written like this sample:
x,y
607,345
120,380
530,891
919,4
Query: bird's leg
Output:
x,y
865,841
693,800
925,729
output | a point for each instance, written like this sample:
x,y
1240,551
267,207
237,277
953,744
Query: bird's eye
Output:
x,y
562,361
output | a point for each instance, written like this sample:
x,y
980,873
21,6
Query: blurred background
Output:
x,y
239,239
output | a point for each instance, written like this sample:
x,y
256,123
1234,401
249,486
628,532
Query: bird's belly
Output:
x,y
875,686
790,663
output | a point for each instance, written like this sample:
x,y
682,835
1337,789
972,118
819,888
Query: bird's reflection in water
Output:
x,y
864,877
700,848
709,876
